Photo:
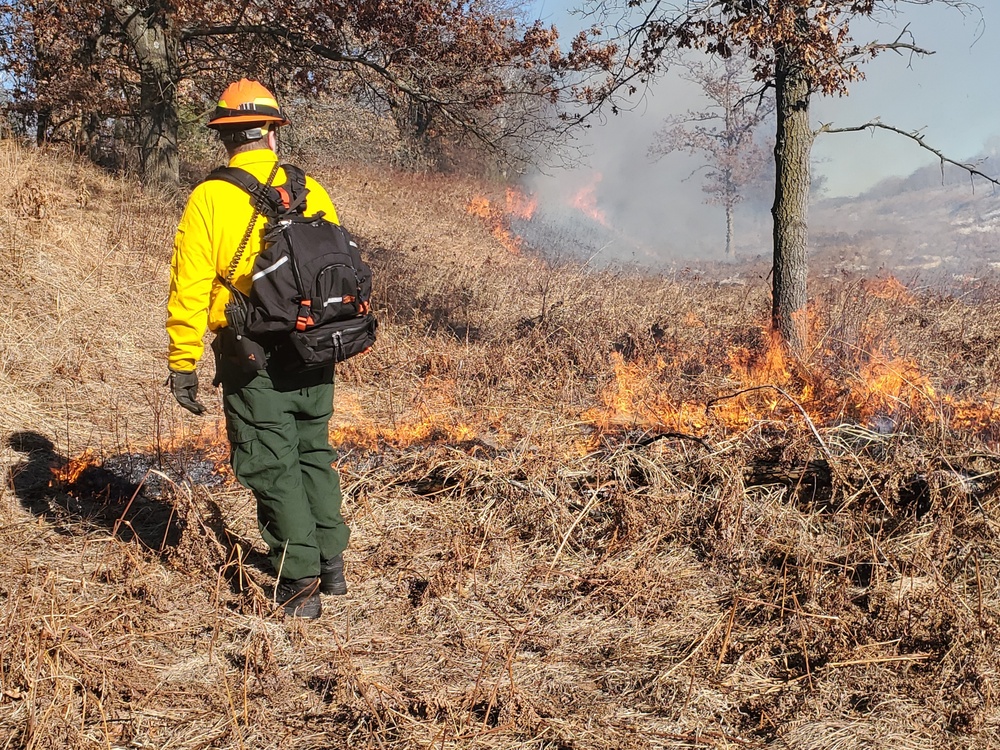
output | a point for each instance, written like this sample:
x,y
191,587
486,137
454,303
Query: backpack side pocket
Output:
x,y
334,342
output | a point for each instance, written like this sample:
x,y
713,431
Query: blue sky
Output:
x,y
951,96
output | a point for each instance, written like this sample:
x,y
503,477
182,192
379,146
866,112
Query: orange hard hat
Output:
x,y
246,102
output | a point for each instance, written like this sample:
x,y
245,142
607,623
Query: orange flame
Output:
x,y
516,204
520,204
585,200
752,369
764,385
431,428
971,415
431,422
635,399
68,474
887,387
889,288
208,444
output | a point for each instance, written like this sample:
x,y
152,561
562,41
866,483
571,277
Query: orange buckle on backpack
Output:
x,y
305,318
286,199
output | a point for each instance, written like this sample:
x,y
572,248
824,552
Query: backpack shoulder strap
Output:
x,y
271,199
294,191
295,176
235,176
289,198
258,197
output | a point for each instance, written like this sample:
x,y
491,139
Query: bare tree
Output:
x,y
725,133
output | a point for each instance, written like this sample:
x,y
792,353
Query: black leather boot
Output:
x,y
331,575
299,597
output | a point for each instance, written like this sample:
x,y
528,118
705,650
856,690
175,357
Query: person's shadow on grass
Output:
x,y
68,493
124,493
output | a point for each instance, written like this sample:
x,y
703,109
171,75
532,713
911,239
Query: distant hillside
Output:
x,y
936,225
934,176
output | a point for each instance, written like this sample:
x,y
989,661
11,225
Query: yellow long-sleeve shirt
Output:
x,y
214,221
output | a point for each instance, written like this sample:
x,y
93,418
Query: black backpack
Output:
x,y
310,300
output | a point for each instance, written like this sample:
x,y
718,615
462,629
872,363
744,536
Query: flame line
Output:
x,y
796,404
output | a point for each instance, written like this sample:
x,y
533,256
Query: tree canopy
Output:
x,y
467,71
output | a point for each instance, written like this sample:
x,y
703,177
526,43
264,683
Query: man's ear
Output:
x,y
272,140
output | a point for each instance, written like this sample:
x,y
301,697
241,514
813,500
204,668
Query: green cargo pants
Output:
x,y
278,428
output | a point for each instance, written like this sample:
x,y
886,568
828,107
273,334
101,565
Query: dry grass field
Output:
x,y
590,509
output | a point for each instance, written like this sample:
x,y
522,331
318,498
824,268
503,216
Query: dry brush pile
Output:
x,y
590,510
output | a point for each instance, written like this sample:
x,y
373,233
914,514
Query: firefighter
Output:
x,y
277,423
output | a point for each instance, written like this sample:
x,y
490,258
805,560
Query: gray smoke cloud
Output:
x,y
655,210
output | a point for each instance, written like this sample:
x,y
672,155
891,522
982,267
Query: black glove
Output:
x,y
185,388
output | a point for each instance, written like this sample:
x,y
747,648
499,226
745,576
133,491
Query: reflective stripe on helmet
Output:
x,y
246,102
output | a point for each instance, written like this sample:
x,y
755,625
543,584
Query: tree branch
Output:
x,y
302,43
916,138
897,45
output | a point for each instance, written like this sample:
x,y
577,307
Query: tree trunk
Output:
x,y
413,120
42,121
87,137
793,144
152,38
730,229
